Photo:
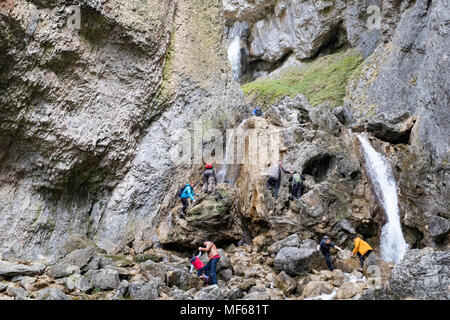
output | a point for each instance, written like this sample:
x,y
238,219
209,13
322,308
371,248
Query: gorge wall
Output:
x,y
89,118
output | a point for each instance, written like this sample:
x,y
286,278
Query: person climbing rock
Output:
x,y
275,177
362,249
297,185
324,247
200,267
186,193
213,254
209,178
257,112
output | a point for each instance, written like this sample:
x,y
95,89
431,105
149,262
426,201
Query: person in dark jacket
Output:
x,y
324,247
297,185
275,177
209,178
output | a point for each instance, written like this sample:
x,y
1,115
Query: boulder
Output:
x,y
285,283
11,269
422,274
78,241
347,291
247,284
51,293
143,290
16,292
209,293
317,288
105,279
212,217
291,241
297,261
257,295
72,263
77,281
121,290
438,227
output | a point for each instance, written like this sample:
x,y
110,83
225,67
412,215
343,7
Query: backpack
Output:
x,y
208,166
273,171
180,191
297,178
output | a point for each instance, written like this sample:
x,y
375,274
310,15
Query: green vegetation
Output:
x,y
321,80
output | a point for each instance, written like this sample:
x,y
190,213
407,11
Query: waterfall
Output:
x,y
235,48
392,244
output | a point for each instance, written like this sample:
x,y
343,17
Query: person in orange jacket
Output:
x,y
362,249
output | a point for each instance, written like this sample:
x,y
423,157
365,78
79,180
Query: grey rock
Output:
x,y
438,227
10,269
16,292
52,293
422,274
257,296
72,263
3,286
121,290
226,274
77,281
143,290
297,261
105,279
212,292
291,241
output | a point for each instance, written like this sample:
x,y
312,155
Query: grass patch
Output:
x,y
321,80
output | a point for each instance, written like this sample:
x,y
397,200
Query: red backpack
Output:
x,y
208,166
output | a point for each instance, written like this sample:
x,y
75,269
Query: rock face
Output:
x,y
422,274
87,107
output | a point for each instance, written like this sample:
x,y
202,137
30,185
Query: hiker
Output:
x,y
275,177
209,178
362,249
257,112
324,247
214,257
200,267
297,185
185,193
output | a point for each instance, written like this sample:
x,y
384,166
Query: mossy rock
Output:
x,y
321,80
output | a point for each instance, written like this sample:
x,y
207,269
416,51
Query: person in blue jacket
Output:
x,y
257,112
186,193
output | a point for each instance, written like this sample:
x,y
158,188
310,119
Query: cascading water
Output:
x,y
393,245
235,34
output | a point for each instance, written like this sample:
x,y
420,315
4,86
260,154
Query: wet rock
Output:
x,y
209,293
10,269
422,274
